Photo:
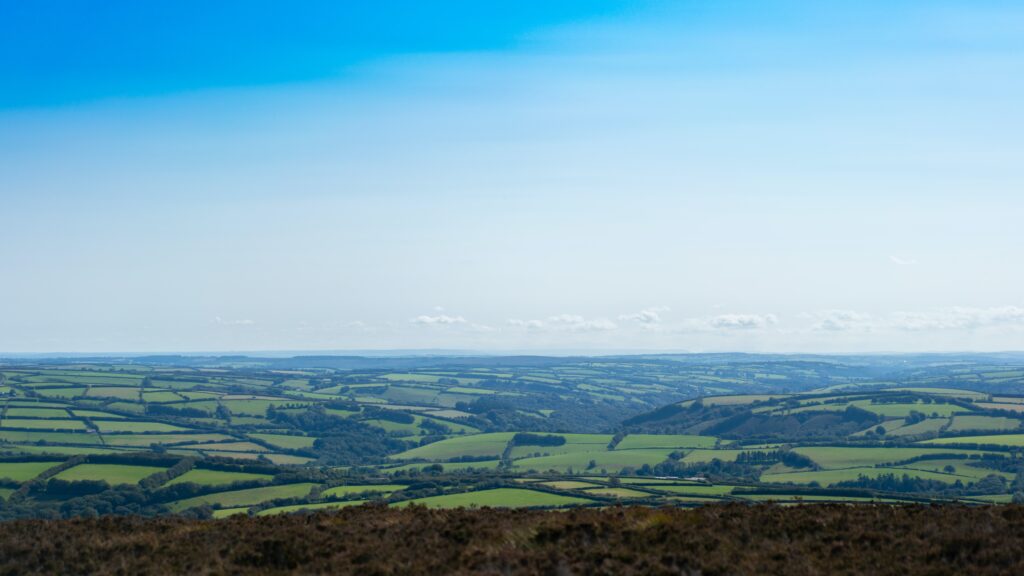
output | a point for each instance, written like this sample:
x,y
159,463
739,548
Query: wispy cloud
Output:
x,y
438,320
841,321
566,323
650,315
743,321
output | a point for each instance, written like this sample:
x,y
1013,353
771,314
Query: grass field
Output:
x,y
308,507
452,466
96,414
497,498
227,512
904,410
961,467
23,412
925,426
247,497
969,423
1012,440
141,440
341,491
574,443
216,477
227,447
43,424
62,450
696,489
827,477
569,484
29,436
832,457
114,392
476,445
109,473
22,471
700,455
61,392
593,462
634,441
285,441
131,426
617,492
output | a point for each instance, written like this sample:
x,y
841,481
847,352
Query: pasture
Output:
x,y
110,473
497,498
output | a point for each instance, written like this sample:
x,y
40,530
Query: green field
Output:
x,y
114,392
22,471
593,462
32,437
247,497
22,412
216,477
970,423
130,426
96,414
342,491
450,466
43,424
633,441
477,445
1012,440
497,497
287,442
145,440
904,410
308,507
574,443
926,426
726,455
569,484
832,457
827,477
110,473
696,489
617,492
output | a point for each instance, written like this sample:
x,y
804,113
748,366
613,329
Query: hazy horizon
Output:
x,y
614,175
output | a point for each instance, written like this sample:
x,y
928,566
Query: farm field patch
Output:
x,y
498,498
109,473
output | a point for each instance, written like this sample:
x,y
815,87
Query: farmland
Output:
x,y
211,438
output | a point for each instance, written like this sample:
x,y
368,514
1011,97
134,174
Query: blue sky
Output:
x,y
763,176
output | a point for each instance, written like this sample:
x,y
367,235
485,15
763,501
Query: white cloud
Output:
x,y
566,323
439,320
646,316
529,324
841,321
960,318
743,321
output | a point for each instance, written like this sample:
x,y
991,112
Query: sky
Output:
x,y
600,175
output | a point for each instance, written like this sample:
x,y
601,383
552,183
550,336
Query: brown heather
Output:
x,y
730,539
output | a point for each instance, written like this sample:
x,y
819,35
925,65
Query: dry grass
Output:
x,y
366,540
